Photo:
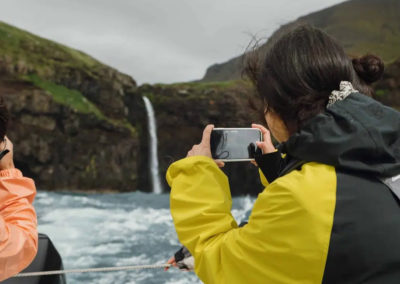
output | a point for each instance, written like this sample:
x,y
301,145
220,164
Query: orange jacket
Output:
x,y
18,233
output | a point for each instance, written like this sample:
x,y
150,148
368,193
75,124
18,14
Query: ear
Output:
x,y
276,126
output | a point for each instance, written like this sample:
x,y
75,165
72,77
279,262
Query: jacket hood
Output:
x,y
357,133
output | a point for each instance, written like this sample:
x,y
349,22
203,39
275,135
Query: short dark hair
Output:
x,y
295,76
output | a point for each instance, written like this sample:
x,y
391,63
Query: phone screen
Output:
x,y
234,144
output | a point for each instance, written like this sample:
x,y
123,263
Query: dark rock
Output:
x,y
64,149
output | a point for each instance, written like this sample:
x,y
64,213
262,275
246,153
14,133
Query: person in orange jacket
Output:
x,y
18,224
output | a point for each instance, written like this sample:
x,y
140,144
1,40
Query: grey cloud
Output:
x,y
153,40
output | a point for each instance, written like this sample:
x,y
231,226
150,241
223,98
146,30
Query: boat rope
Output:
x,y
100,269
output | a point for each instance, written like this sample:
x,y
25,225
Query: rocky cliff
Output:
x,y
182,111
69,121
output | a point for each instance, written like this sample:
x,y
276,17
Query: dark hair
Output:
x,y
4,117
296,74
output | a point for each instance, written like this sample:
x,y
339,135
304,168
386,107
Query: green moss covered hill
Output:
x,y
70,122
362,26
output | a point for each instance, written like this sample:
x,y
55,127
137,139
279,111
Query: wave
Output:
x,y
116,230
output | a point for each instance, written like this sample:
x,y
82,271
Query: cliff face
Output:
x,y
183,110
69,120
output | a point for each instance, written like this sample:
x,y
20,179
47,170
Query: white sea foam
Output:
x,y
116,230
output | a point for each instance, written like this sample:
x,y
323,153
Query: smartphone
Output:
x,y
234,144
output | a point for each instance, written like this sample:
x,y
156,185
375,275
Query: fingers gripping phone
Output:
x,y
234,144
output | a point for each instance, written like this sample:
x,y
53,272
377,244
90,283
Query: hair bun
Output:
x,y
369,68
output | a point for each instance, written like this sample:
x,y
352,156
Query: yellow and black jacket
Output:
x,y
335,219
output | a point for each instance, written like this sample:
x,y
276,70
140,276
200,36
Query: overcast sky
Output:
x,y
156,40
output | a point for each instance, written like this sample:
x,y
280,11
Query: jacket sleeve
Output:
x,y
263,179
285,241
270,166
18,232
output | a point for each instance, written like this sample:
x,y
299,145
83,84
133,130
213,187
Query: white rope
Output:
x,y
100,269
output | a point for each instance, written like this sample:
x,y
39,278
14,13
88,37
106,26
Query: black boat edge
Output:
x,y
47,258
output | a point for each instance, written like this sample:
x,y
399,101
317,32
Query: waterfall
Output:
x,y
151,121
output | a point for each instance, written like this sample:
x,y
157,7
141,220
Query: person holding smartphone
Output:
x,y
330,210
18,224
183,258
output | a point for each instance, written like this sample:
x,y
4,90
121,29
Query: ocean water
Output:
x,y
101,230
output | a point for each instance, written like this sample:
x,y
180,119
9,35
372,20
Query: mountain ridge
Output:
x,y
361,26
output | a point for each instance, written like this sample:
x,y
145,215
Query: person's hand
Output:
x,y
7,161
266,145
172,262
204,148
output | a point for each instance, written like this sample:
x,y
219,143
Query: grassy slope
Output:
x,y
42,57
202,85
363,26
75,100
65,96
41,54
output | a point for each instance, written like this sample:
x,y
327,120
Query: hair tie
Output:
x,y
345,89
